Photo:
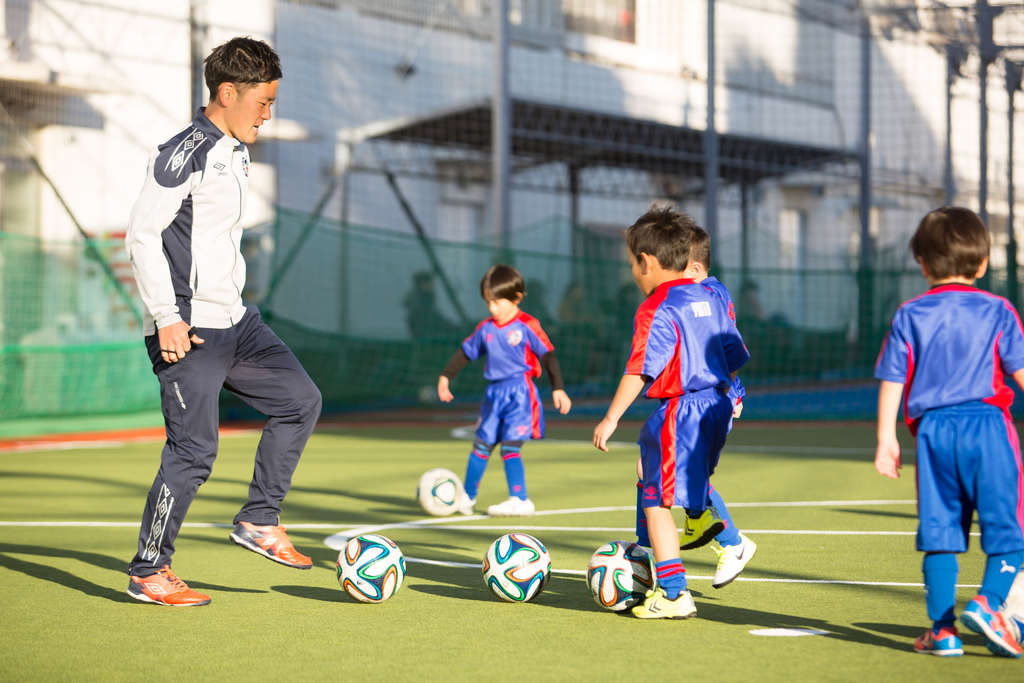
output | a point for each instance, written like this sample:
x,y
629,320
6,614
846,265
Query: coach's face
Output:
x,y
249,108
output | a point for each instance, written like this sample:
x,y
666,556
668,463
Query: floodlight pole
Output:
x,y
1013,80
865,281
955,55
711,144
197,29
500,125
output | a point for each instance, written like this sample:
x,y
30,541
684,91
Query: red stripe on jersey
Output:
x,y
911,424
534,409
529,357
534,325
669,382
1002,395
668,453
642,324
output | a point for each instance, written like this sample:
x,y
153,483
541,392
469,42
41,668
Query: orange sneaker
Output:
x,y
164,588
272,542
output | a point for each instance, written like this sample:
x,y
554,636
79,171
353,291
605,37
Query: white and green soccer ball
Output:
x,y
516,567
371,568
619,575
438,492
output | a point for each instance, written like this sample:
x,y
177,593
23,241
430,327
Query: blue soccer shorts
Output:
x,y
968,459
511,411
679,447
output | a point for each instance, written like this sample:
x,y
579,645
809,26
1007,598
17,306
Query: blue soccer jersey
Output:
x,y
511,409
737,392
513,349
684,341
952,345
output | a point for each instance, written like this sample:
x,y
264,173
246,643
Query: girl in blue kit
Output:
x,y
516,348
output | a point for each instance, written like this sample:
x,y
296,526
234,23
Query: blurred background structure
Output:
x,y
415,142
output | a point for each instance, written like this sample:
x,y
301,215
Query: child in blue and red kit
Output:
x,y
947,354
516,347
733,550
686,352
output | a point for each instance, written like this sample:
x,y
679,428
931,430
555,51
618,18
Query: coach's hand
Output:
x,y
176,341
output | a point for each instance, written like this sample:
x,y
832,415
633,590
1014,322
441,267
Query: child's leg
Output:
x,y
476,466
940,572
730,535
665,543
515,473
1000,571
642,537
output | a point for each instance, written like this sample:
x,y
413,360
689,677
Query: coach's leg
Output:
x,y
269,377
189,392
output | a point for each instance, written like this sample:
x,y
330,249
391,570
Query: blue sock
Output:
x,y
475,467
940,572
730,535
1000,571
515,473
642,538
671,577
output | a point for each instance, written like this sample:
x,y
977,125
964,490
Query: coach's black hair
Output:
x,y
951,242
242,61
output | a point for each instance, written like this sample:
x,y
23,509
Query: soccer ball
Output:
x,y
516,567
371,568
438,491
619,575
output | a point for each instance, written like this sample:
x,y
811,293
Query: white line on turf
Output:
x,y
467,433
338,540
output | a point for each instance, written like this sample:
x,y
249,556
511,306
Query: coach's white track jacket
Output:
x,y
184,234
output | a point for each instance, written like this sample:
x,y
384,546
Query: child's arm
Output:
x,y
458,361
887,454
558,396
629,388
1018,377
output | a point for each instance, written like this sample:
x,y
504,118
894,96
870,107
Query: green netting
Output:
x,y
373,321
69,344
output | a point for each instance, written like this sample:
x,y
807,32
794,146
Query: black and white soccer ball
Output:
x,y
371,568
438,492
619,575
517,567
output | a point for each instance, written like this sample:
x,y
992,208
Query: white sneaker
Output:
x,y
464,505
731,560
513,507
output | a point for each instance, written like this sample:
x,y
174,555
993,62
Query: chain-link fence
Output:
x,y
416,142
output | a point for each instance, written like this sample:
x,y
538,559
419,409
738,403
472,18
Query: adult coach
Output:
x,y
183,238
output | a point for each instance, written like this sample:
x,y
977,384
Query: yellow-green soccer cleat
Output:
x,y
656,605
699,532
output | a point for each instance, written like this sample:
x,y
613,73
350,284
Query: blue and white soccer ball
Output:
x,y
516,567
438,491
619,575
371,568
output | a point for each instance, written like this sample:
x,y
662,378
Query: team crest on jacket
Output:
x,y
245,167
514,337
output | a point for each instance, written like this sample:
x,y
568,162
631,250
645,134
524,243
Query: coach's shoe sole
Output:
x,y
271,542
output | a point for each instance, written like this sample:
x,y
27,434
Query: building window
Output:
x,y
614,19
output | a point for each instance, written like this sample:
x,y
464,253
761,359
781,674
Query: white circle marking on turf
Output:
x,y
787,632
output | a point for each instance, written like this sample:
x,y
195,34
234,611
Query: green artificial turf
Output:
x,y
66,615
